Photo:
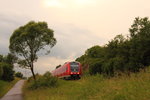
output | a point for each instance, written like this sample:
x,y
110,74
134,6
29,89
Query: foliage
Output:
x,y
1,71
19,75
95,52
44,81
96,67
8,73
1,58
6,67
121,54
10,58
28,40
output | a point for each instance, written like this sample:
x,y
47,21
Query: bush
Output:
x,y
108,68
19,75
44,81
1,72
95,68
8,73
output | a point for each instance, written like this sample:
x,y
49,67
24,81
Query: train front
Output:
x,y
75,70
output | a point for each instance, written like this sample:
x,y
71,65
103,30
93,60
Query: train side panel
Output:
x,y
68,71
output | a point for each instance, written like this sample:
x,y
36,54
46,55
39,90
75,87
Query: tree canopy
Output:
x,y
26,41
121,54
6,67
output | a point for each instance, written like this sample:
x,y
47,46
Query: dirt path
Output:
x,y
15,93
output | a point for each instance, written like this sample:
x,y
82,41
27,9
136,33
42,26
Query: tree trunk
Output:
x,y
32,70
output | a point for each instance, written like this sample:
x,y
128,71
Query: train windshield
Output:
x,y
74,66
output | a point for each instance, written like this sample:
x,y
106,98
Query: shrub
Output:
x,y
95,67
44,81
108,68
1,72
8,73
19,75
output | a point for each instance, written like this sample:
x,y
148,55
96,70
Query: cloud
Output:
x,y
49,63
76,26
72,39
8,24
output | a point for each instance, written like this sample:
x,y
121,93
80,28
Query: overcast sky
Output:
x,y
77,24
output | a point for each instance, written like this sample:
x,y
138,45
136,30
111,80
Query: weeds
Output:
x,y
43,81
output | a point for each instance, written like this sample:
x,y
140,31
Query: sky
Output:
x,y
77,24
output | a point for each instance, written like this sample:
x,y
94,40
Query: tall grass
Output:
x,y
133,87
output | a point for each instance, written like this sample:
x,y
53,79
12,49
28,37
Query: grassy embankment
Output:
x,y
135,87
6,86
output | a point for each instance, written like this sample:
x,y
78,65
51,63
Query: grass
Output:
x,y
6,86
135,87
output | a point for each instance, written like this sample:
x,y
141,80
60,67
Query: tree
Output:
x,y
8,73
95,52
6,67
121,54
19,75
1,71
1,68
95,67
1,58
10,59
140,43
28,40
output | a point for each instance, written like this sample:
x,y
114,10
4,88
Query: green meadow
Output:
x,y
133,87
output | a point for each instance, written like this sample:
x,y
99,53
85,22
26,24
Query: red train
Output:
x,y
70,70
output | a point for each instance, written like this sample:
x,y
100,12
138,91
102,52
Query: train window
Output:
x,y
74,66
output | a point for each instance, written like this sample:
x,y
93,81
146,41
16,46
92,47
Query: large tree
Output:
x,y
121,54
28,40
140,42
